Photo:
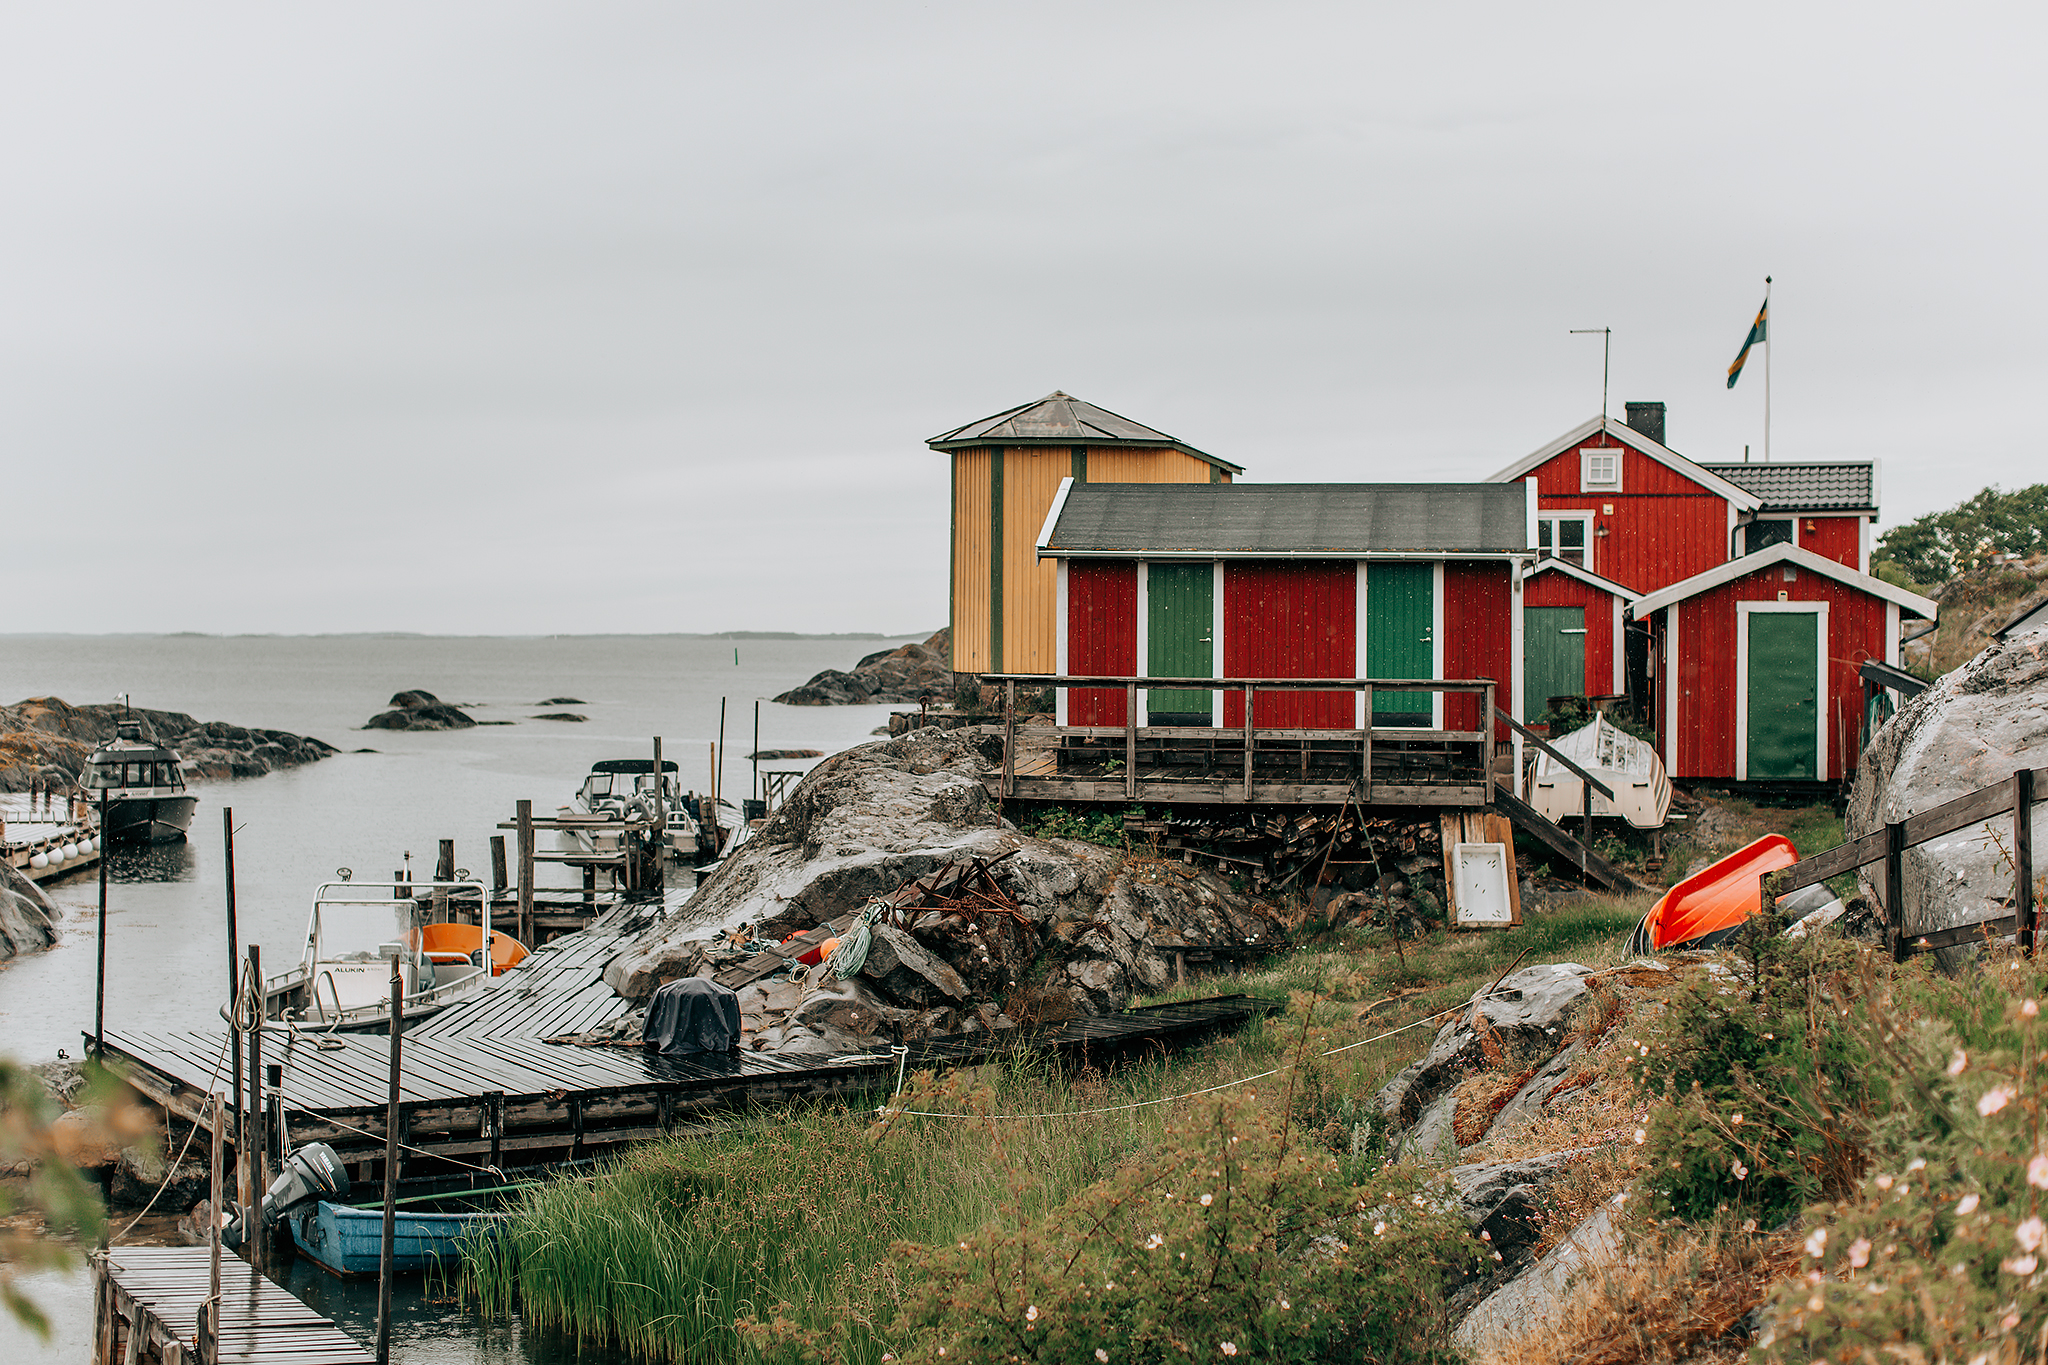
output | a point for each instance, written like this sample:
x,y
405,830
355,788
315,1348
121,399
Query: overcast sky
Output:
x,y
509,318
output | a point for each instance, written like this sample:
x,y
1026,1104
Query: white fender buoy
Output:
x,y
86,846
70,852
55,855
39,861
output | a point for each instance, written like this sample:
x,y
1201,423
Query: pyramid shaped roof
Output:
x,y
1060,419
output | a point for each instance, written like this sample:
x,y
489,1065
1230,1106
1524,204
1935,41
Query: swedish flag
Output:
x,y
1756,337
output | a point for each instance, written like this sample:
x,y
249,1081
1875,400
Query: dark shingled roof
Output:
x,y
1059,419
1818,486
1272,520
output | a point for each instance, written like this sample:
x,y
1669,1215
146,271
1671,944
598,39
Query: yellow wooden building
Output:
x,y
1006,471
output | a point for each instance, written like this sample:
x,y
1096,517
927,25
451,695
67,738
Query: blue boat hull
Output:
x,y
349,1241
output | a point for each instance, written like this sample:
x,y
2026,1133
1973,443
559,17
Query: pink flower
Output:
x,y
2037,1172
1031,1313
1968,1204
2020,1265
1859,1252
1817,1242
1102,1355
2029,1010
1229,1348
1995,1099
1207,1200
1957,1061
1741,1171
2029,1234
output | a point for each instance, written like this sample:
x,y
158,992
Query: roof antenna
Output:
x,y
1745,452
1606,345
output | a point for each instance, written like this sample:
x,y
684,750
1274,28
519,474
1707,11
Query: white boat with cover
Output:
x,y
343,979
1630,766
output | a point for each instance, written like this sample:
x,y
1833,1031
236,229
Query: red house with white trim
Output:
x,y
1704,558
1287,581
1759,659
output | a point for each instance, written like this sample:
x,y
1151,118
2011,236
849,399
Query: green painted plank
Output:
x,y
1783,689
1553,662
1179,623
1400,620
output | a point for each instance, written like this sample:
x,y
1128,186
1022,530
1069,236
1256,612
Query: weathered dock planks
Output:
x,y
147,1301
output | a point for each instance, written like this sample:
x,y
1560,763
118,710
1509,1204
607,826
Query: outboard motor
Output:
x,y
313,1172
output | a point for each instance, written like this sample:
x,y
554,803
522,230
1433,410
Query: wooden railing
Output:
x,y
1889,845
1132,731
1588,784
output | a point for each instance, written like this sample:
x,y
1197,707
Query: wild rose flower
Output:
x,y
1641,1136
2020,1265
2029,1234
1817,1241
1859,1252
1883,1182
1741,1171
2037,1172
1031,1313
1738,1119
1995,1099
1957,1061
1228,1348
1918,1163
1207,1200
1284,1304
1154,1242
1102,1355
1379,1229
2030,1009
1967,1205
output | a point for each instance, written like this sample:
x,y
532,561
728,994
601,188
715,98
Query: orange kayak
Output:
x,y
1712,903
465,939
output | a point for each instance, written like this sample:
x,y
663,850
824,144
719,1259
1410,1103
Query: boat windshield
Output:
x,y
360,930
597,785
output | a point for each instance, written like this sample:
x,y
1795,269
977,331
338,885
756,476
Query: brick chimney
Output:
x,y
1648,418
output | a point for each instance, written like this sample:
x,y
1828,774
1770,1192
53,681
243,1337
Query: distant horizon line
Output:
x,y
472,635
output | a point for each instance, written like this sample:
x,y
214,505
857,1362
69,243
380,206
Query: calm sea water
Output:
x,y
166,936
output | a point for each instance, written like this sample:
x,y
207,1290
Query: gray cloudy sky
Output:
x,y
532,318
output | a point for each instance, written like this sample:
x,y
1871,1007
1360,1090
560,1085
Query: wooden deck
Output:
x,y
507,1098
1248,763
147,1308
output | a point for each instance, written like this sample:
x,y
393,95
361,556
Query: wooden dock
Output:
x,y
480,1087
147,1299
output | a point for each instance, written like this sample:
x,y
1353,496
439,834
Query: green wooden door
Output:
x,y
1783,695
1400,618
1179,621
1553,657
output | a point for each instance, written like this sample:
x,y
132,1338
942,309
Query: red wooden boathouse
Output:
x,y
1759,658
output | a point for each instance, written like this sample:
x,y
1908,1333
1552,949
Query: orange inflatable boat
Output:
x,y
447,942
1711,904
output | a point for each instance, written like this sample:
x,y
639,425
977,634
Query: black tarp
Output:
x,y
695,1014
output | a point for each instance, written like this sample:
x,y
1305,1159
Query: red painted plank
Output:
x,y
1102,635
1291,619
1477,641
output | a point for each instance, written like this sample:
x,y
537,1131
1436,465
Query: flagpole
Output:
x,y
1770,330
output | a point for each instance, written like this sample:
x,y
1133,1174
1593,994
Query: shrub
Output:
x,y
1941,1252
1764,1100
1104,827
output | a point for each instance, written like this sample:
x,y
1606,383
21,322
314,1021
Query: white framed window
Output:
x,y
1600,470
1565,535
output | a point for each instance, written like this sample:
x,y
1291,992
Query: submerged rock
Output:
x,y
561,715
417,710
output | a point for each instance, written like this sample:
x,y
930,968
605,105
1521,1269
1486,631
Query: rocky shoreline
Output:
x,y
905,675
44,741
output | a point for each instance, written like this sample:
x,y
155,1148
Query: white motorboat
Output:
x,y
343,979
621,791
1630,766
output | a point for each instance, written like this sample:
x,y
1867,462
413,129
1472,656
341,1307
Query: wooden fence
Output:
x,y
1888,846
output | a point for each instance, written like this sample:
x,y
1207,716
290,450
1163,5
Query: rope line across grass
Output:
x,y
885,1111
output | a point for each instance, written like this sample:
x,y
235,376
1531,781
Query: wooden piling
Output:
x,y
2026,917
525,818
444,865
500,880
227,837
254,1179
384,1255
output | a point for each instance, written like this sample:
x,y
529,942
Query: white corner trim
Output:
x,y
1517,685
1360,714
1531,507
1436,642
1670,716
1144,633
1619,651
1586,576
1891,634
1216,638
1823,694
1060,639
1052,513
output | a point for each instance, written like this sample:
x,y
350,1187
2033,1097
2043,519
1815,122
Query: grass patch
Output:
x,y
795,1216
